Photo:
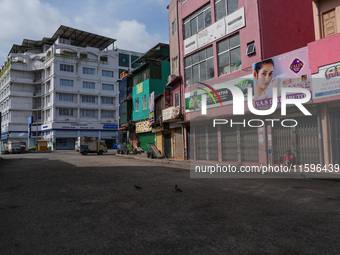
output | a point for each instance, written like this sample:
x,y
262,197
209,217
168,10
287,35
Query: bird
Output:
x,y
178,189
138,188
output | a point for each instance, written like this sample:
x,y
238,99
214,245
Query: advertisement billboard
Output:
x,y
289,70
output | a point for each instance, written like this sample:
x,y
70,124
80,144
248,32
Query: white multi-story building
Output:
x,y
68,83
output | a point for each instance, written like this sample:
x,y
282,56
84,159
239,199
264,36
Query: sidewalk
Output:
x,y
143,156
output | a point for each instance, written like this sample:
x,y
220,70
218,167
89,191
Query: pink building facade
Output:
x,y
218,41
324,59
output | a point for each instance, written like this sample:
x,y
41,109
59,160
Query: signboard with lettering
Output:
x,y
223,27
326,83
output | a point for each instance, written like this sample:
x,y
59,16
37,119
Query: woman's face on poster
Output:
x,y
264,75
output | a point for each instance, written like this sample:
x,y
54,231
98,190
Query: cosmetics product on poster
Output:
x,y
289,70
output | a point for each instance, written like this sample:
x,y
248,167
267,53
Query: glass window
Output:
x,y
221,10
89,71
235,59
137,104
177,99
89,85
88,99
144,102
187,31
193,25
65,112
229,55
197,21
107,114
225,7
232,6
66,97
88,113
124,60
175,63
107,87
103,59
107,73
66,68
107,100
199,66
66,83
200,21
134,65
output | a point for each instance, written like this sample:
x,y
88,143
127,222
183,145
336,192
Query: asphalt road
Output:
x,y
65,203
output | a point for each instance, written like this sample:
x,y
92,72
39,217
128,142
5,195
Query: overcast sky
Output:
x,y
137,25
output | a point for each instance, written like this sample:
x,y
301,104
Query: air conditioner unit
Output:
x,y
171,77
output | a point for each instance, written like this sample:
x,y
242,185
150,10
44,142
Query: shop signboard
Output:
x,y
219,97
170,113
143,126
326,83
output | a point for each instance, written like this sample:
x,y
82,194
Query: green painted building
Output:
x,y
151,76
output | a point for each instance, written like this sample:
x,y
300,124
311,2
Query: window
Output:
x,y
107,114
145,75
66,97
225,7
144,102
39,115
175,63
134,65
197,21
89,85
107,73
124,60
37,90
329,23
174,27
177,99
107,86
66,83
88,113
37,77
83,55
137,105
229,55
199,66
107,100
251,48
65,112
89,71
66,68
88,99
103,59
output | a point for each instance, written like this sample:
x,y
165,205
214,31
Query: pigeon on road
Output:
x,y
178,189
138,188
